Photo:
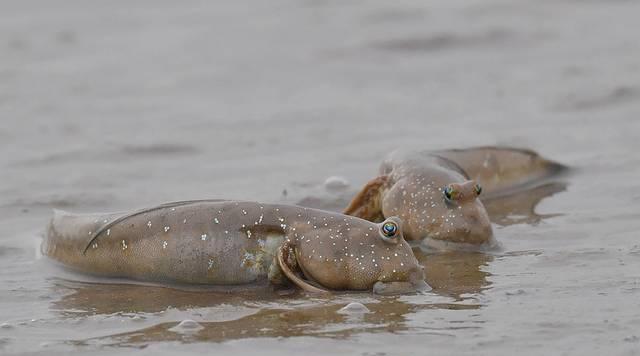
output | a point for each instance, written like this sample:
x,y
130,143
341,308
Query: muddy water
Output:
x,y
105,107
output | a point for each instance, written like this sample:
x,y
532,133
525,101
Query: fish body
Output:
x,y
439,194
231,243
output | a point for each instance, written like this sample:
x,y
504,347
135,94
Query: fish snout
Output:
x,y
480,233
478,225
473,230
417,279
470,225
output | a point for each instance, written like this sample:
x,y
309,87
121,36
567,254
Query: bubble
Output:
x,y
336,183
354,308
187,326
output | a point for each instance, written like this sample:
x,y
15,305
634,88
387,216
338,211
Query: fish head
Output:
x,y
440,206
349,253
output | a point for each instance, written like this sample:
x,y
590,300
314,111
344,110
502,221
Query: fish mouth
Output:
x,y
415,284
395,288
466,234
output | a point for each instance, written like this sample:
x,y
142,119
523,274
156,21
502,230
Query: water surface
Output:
x,y
107,106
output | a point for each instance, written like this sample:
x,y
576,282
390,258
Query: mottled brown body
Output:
x,y
232,243
411,185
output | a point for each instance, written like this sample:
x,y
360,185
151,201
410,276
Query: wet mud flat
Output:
x,y
107,108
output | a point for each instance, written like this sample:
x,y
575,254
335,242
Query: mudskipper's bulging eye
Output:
x,y
477,188
389,229
449,192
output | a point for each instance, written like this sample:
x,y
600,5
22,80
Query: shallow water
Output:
x,y
105,107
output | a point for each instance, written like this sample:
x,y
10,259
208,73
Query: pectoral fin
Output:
x,y
284,253
366,204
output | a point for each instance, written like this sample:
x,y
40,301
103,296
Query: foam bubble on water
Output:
x,y
354,308
187,326
335,183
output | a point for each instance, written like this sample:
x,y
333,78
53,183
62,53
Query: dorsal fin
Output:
x,y
144,211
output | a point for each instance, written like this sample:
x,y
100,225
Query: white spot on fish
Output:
x,y
166,228
124,245
203,237
215,220
108,232
210,264
149,223
164,244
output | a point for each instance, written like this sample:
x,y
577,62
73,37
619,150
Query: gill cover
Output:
x,y
285,254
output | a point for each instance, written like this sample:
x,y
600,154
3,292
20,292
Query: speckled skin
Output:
x,y
410,186
232,243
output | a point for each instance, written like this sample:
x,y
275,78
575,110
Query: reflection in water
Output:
x,y
386,315
104,299
456,278
519,207
455,273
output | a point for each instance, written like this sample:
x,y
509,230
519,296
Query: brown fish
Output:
x,y
436,193
235,243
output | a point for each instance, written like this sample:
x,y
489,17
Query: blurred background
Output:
x,y
118,105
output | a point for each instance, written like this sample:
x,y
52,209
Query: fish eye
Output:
x,y
449,192
477,188
389,229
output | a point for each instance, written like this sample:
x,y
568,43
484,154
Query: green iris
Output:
x,y
449,192
478,189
